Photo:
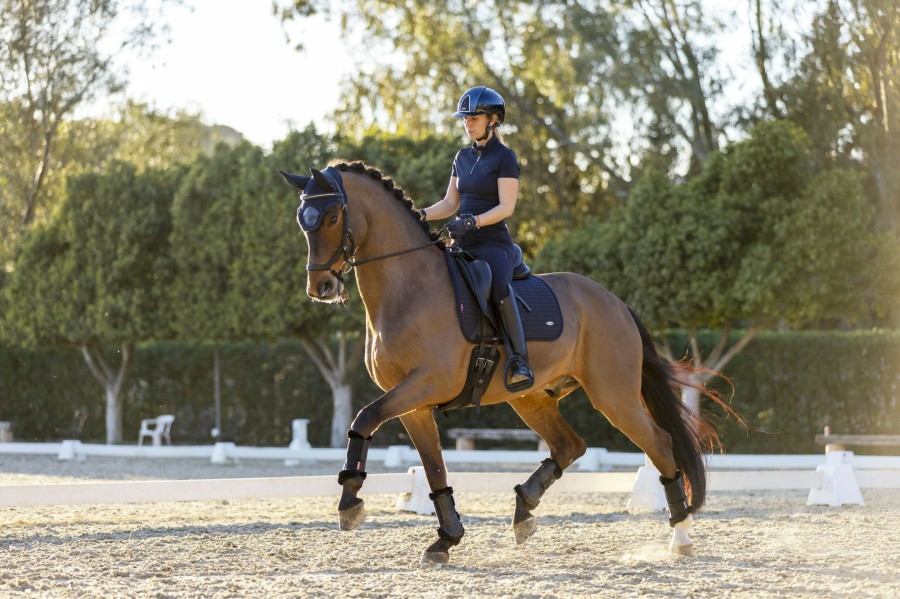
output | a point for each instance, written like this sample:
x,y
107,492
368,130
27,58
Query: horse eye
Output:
x,y
333,220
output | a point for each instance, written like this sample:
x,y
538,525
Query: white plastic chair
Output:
x,y
156,429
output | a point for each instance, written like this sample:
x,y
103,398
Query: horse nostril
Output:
x,y
325,288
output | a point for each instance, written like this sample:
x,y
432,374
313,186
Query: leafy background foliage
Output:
x,y
787,385
773,208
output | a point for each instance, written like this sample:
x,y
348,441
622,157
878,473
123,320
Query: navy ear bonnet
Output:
x,y
317,194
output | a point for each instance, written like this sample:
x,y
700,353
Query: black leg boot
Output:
x,y
681,520
517,373
528,496
450,530
351,509
676,498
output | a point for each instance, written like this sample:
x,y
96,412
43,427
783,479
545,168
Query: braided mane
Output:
x,y
375,173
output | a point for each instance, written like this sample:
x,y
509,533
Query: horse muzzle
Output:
x,y
325,287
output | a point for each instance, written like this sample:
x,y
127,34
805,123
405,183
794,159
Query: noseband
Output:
x,y
310,217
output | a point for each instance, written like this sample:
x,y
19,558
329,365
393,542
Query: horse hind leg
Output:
x,y
541,413
681,519
619,399
528,497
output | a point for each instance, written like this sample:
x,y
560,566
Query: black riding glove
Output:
x,y
462,225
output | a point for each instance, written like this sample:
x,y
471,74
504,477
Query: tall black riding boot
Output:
x,y
517,373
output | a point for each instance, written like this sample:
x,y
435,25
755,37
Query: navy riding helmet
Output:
x,y
481,100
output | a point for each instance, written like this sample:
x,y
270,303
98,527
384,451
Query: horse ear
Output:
x,y
321,180
297,181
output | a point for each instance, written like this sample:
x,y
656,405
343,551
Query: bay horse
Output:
x,y
355,218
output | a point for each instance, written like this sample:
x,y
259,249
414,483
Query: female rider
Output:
x,y
484,187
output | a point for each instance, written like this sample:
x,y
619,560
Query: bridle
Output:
x,y
310,217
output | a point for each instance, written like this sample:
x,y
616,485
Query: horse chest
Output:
x,y
384,357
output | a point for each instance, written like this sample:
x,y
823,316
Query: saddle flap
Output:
x,y
481,279
477,275
541,315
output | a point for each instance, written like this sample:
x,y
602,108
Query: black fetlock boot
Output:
x,y
450,529
352,509
517,373
681,520
528,496
676,498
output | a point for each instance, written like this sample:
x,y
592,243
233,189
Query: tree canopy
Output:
x,y
758,239
601,92
55,56
94,276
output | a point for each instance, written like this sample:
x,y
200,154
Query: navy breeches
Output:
x,y
500,258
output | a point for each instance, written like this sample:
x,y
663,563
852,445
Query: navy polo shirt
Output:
x,y
477,170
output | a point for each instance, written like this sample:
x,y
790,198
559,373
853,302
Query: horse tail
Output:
x,y
692,435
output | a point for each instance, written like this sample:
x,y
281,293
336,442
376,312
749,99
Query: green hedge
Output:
x,y
787,386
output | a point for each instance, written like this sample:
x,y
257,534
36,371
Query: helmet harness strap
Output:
x,y
487,130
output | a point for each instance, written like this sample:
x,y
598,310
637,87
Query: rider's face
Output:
x,y
476,124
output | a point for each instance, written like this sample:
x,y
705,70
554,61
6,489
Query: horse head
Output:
x,y
322,215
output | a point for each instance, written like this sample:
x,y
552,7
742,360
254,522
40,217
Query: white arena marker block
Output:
x,y
839,485
647,493
394,456
220,453
299,442
592,460
417,500
71,450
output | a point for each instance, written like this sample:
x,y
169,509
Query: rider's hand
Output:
x,y
462,225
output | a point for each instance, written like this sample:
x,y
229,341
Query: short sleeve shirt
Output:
x,y
477,171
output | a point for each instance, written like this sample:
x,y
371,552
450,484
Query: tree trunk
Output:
x,y
761,53
691,396
37,185
113,415
217,396
113,382
343,414
338,369
714,363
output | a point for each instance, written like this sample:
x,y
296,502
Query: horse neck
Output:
x,y
389,227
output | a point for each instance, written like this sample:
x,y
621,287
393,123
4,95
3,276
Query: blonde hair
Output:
x,y
496,128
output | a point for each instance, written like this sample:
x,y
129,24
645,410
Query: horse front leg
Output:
x,y
400,400
541,414
352,509
424,434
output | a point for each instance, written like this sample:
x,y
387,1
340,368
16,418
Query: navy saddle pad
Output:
x,y
543,322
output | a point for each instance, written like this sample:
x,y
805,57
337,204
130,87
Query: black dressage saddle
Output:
x,y
541,317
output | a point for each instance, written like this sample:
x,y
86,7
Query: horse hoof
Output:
x,y
686,550
438,554
524,528
353,516
681,542
435,558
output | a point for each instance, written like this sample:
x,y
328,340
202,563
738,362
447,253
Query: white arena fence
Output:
x,y
834,479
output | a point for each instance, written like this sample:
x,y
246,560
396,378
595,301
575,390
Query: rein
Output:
x,y
355,263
